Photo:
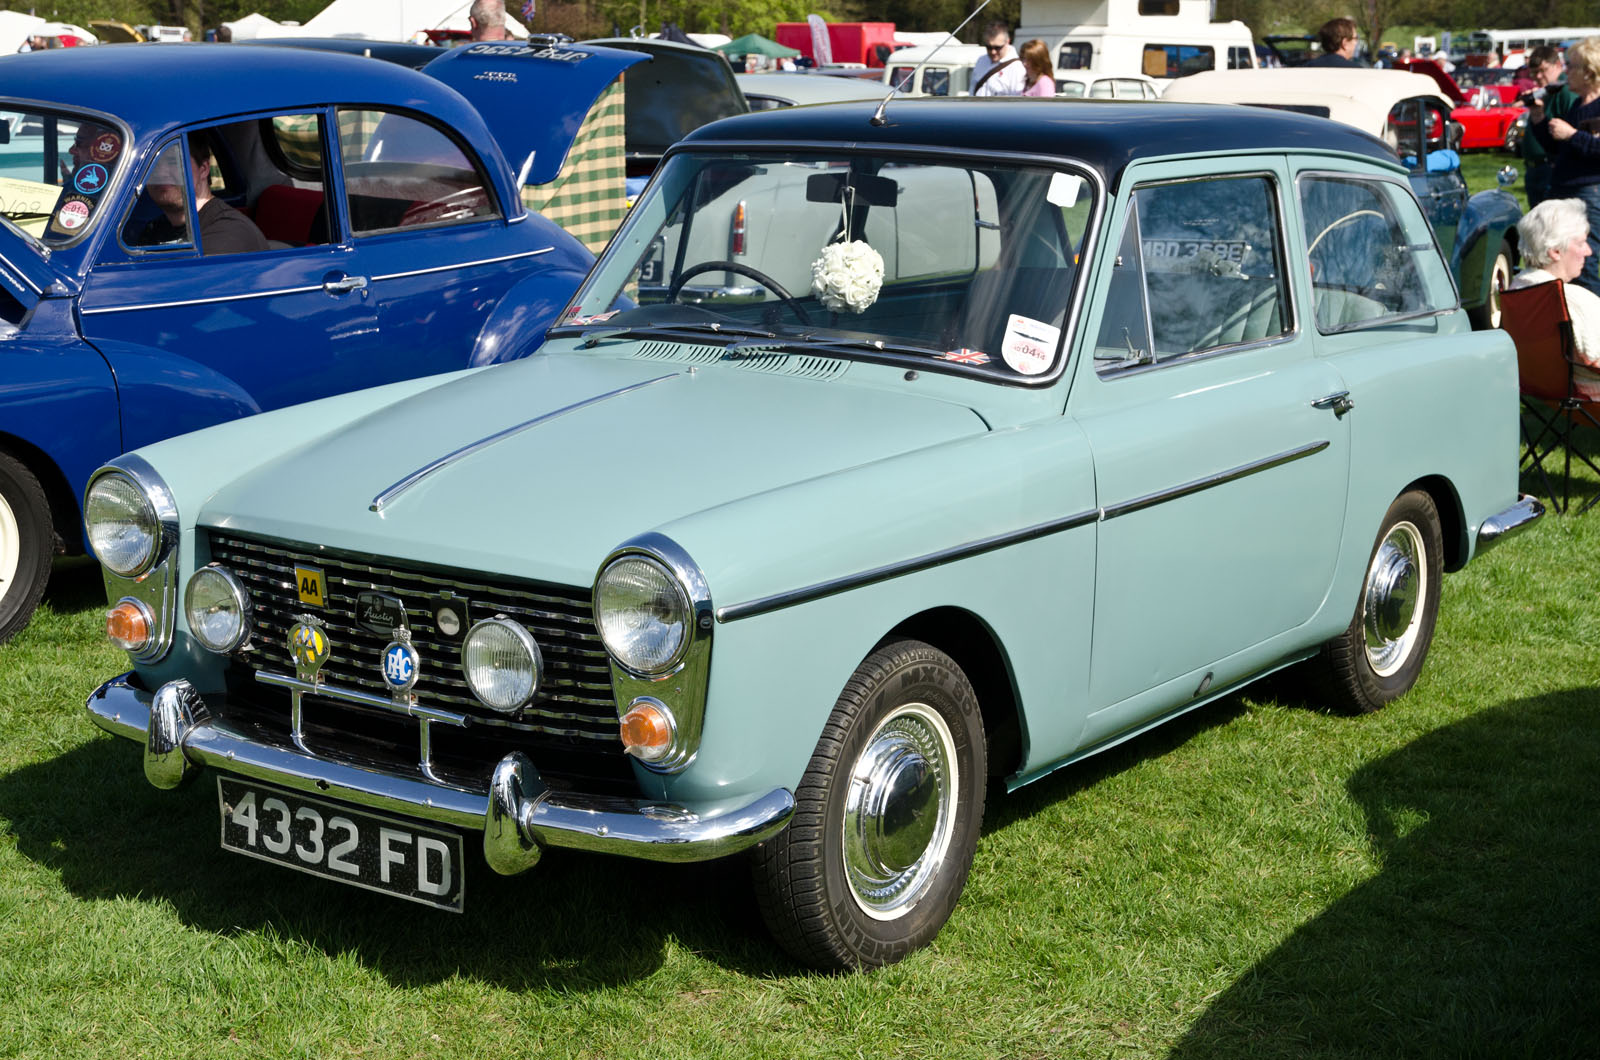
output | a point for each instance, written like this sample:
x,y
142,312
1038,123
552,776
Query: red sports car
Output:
x,y
1488,122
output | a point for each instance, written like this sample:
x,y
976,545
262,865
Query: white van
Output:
x,y
1161,39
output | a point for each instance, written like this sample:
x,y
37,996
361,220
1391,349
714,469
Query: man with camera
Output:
x,y
1549,98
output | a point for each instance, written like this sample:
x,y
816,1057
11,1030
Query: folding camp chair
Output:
x,y
1538,321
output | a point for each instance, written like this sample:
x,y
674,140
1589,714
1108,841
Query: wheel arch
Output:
x,y
1452,520
58,492
969,641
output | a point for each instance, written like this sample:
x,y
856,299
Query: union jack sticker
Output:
x,y
964,356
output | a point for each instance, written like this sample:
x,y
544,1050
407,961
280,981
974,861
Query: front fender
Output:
x,y
517,325
1487,219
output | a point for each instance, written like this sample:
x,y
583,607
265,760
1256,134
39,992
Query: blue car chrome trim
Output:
x,y
1513,520
13,273
464,265
136,306
760,606
517,816
383,499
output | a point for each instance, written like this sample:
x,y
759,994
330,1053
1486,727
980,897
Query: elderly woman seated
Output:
x,y
1555,242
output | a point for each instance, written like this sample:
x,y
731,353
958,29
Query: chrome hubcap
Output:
x,y
1397,585
900,811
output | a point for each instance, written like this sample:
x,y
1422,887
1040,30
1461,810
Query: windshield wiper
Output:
x,y
808,344
691,329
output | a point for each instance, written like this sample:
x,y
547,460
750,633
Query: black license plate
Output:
x,y
339,842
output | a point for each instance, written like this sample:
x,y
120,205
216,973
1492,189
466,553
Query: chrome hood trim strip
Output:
x,y
382,500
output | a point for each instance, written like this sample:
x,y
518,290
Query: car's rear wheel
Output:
x,y
26,540
1487,315
887,816
1378,657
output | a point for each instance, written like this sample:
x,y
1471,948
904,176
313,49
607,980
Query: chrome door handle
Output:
x,y
349,283
1340,403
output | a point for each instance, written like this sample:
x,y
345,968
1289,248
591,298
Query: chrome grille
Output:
x,y
574,701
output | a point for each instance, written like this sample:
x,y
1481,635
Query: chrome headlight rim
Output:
x,y
686,605
158,503
241,601
528,642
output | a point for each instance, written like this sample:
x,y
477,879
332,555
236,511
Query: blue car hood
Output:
x,y
533,98
580,454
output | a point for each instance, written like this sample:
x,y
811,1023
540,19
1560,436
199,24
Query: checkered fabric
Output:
x,y
589,196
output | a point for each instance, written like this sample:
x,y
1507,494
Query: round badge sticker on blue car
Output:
x,y
400,666
90,179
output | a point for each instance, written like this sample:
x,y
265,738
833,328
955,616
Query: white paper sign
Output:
x,y
1029,345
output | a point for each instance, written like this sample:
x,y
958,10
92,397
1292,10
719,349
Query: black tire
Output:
x,y
839,887
1378,657
1487,315
26,543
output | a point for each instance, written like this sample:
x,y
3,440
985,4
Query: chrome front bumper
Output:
x,y
518,817
1521,515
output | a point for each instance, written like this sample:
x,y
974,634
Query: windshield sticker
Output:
x,y
964,356
22,197
71,215
1029,345
105,147
90,179
1064,188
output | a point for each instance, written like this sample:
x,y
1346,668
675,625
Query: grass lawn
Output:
x,y
1259,878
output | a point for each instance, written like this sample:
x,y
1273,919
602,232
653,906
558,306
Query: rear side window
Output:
x,y
401,172
1075,55
1372,255
1200,268
1177,60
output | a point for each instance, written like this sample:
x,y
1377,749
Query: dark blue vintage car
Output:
x,y
358,223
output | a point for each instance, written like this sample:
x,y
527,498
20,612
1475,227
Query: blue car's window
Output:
x,y
55,172
1202,265
967,263
160,218
1372,254
400,172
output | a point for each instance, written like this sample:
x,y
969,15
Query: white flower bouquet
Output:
x,y
847,276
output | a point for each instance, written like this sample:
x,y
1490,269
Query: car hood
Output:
x,y
26,276
533,98
541,467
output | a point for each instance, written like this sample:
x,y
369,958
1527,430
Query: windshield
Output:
x,y
958,265
54,171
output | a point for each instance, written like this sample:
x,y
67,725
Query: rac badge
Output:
x,y
401,664
309,646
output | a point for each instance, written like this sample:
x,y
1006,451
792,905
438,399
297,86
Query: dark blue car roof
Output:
x,y
1106,135
153,86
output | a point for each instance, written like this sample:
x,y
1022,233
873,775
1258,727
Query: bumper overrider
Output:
x,y
1513,520
518,817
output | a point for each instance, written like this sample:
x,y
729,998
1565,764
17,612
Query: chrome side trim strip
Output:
x,y
134,308
1197,485
734,612
777,601
383,499
1515,519
463,265
366,699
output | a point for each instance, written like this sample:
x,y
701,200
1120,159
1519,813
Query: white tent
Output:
x,y
389,20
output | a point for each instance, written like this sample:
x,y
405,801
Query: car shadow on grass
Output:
x,y
1480,935
76,582
575,921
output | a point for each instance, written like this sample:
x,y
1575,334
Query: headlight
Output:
x,y
122,524
643,614
218,609
502,663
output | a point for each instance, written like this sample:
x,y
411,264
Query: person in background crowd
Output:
x,y
1555,243
1039,76
34,44
998,72
488,20
1573,142
1546,98
1338,36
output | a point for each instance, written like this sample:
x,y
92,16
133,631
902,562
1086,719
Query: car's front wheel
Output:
x,y
26,540
887,816
1487,315
1378,657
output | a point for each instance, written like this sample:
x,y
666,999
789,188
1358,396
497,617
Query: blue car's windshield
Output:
x,y
971,263
55,169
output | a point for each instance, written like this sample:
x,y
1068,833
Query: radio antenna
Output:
x,y
877,116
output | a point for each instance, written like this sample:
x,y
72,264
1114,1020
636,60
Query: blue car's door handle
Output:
x,y
349,283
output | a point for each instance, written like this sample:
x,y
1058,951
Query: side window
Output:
x,y
1069,89
1177,60
1209,265
1075,55
1371,253
159,219
400,172
935,81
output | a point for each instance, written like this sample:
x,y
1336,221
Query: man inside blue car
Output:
x,y
223,230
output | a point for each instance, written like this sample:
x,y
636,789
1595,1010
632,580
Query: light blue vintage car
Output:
x,y
1004,431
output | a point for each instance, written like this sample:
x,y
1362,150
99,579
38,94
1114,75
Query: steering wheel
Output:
x,y
744,270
